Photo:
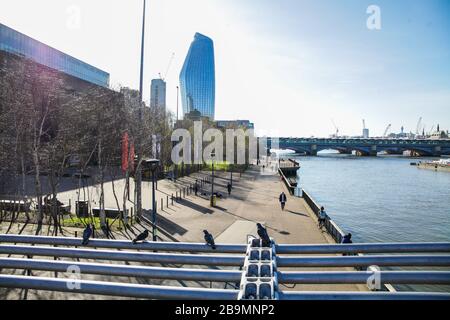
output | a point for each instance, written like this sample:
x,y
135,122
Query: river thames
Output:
x,y
380,199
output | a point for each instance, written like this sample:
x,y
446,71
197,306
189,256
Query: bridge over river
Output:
x,y
364,147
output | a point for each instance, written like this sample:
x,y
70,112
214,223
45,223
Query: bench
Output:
x,y
61,210
15,205
110,213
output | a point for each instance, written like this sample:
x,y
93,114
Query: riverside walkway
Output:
x,y
254,199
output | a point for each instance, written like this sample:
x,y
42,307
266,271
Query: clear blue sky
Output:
x,y
288,65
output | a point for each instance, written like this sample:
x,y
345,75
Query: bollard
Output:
x,y
162,204
167,201
172,198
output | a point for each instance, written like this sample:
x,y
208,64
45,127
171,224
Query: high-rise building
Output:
x,y
197,78
365,134
21,45
158,94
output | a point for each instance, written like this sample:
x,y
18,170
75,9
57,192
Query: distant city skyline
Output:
x,y
290,65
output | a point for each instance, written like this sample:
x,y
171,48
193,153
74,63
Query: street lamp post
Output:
x,y
138,174
178,93
152,164
141,78
231,176
212,178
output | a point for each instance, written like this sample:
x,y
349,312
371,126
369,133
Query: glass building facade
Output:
x,y
158,94
19,44
197,78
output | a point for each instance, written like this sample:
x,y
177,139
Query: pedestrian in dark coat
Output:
x,y
283,200
229,188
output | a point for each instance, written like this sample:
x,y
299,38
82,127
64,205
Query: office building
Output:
x,y
21,45
197,78
158,94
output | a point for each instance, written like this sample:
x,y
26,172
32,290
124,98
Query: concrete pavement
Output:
x,y
254,199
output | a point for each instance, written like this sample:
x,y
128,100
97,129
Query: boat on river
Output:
x,y
436,165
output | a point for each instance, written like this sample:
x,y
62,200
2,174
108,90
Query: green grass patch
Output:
x,y
219,166
77,222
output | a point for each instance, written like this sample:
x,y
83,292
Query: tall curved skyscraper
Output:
x,y
197,78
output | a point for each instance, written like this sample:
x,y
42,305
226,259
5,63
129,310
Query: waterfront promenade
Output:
x,y
254,199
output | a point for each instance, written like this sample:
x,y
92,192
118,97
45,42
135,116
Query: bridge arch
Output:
x,y
300,150
349,149
337,148
421,151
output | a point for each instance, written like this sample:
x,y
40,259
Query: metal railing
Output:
x,y
165,292
365,261
354,248
192,259
286,181
286,277
396,247
361,277
311,295
332,228
124,270
230,260
122,244
429,257
116,288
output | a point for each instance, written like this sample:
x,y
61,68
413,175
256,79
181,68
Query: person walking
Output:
x,y
283,200
322,217
196,187
229,187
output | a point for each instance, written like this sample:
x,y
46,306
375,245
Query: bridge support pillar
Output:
x,y
313,151
373,151
437,152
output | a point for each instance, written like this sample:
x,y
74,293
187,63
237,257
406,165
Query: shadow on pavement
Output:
x,y
195,206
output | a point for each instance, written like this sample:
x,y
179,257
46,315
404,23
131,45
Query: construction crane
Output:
x,y
387,130
168,67
364,124
431,130
337,129
418,126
